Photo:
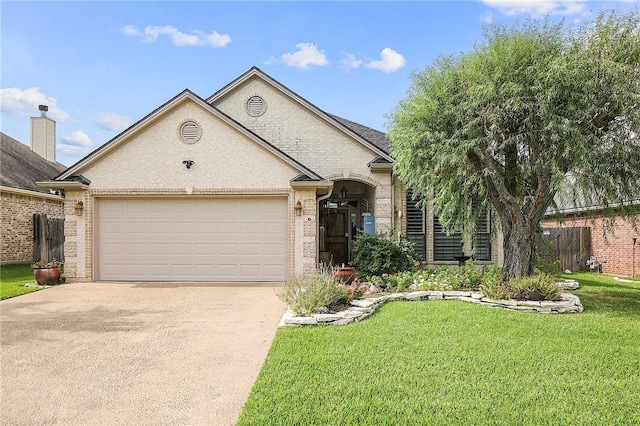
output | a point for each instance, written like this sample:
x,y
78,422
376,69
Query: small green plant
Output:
x,y
355,290
536,287
42,264
305,293
496,290
379,254
377,281
491,274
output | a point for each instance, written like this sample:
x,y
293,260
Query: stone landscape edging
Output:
x,y
362,308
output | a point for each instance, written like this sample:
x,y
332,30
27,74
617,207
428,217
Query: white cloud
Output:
x,y
538,7
77,143
307,54
350,61
77,138
487,17
111,121
131,30
19,102
178,38
390,61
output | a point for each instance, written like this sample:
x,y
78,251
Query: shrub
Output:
x,y
492,274
305,293
355,290
378,254
536,287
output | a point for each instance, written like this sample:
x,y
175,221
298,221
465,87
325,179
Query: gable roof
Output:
x,y
21,168
376,141
182,96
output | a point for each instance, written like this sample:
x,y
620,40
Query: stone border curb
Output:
x,y
568,284
362,308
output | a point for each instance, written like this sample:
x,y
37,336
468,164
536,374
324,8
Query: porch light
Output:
x,y
343,192
79,207
298,208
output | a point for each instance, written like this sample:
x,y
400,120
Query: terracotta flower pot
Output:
x,y
344,274
47,276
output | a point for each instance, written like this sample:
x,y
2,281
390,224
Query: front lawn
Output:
x,y
447,362
13,278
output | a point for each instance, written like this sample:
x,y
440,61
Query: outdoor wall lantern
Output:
x,y
343,192
188,163
298,208
79,207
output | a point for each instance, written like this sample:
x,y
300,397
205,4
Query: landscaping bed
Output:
x,y
443,362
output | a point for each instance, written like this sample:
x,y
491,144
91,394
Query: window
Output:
x,y
415,225
445,246
483,238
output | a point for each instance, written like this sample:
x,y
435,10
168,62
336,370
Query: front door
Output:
x,y
337,238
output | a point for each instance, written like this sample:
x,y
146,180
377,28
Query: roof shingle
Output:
x,y
21,168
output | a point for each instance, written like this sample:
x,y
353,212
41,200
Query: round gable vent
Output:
x,y
190,132
256,106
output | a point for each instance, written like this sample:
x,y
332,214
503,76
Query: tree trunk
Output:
x,y
519,247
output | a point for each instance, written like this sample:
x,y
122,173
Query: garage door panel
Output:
x,y
250,228
135,249
251,249
274,249
204,249
192,240
273,228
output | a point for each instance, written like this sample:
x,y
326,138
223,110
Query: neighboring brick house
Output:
x,y
616,245
253,183
21,197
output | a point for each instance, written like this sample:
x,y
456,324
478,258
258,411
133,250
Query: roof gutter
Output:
x,y
67,185
29,193
309,184
381,167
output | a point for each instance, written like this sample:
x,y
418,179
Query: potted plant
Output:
x,y
47,273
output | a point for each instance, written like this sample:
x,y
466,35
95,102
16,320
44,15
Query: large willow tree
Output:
x,y
536,110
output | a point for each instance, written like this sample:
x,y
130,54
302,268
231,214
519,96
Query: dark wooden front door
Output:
x,y
338,236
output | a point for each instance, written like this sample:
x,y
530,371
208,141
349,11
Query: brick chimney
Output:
x,y
43,135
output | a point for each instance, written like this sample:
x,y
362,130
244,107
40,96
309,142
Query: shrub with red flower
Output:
x,y
355,290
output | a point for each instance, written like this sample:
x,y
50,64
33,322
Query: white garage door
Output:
x,y
221,239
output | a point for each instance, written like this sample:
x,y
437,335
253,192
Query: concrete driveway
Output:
x,y
115,353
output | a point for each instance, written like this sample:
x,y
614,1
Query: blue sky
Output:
x,y
101,66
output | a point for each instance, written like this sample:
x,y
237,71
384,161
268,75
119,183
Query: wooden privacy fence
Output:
x,y
570,246
48,238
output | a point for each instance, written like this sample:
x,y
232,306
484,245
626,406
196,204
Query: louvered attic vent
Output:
x,y
190,132
256,106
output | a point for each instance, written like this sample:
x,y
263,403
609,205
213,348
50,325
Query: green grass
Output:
x,y
13,278
446,362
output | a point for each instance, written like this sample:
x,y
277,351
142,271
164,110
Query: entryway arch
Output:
x,y
342,217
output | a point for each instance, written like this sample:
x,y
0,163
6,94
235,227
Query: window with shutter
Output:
x,y
483,238
415,224
445,246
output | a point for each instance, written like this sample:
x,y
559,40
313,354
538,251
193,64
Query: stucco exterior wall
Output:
x,y
227,162
297,131
224,158
16,216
